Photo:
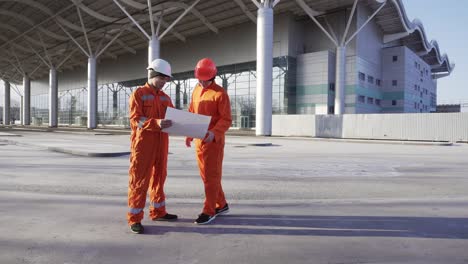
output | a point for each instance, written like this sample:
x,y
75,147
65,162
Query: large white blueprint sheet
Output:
x,y
186,124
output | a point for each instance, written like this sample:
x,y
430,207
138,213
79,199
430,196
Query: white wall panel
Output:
x,y
425,126
293,125
329,126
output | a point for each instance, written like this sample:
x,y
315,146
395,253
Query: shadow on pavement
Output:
x,y
344,226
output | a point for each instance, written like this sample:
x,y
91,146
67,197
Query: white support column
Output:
x,y
26,107
340,80
264,71
21,110
92,64
92,92
153,49
53,98
6,103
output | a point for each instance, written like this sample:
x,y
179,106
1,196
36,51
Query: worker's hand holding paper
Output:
x,y
186,124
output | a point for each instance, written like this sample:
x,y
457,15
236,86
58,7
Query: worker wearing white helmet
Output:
x,y
149,147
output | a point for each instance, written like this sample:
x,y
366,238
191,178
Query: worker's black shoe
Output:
x,y
204,219
221,211
167,217
137,228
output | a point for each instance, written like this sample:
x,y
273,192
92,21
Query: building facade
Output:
x,y
386,63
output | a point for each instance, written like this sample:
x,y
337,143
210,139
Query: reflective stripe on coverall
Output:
x,y
149,149
212,101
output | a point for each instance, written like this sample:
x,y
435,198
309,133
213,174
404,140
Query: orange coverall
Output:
x,y
149,150
212,101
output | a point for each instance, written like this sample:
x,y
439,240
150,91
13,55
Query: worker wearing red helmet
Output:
x,y
149,147
210,99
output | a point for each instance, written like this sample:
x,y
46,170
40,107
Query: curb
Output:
x,y
88,154
68,151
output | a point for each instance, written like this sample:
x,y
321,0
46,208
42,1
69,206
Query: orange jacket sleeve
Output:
x,y
225,120
137,118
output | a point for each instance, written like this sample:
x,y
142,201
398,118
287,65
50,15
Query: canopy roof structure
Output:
x,y
37,35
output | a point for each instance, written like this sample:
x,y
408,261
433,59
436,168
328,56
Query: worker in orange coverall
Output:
x,y
149,147
210,99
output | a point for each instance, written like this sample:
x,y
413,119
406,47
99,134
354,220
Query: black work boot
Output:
x,y
166,217
221,211
204,219
137,228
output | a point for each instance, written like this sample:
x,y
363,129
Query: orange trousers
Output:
x,y
147,173
210,163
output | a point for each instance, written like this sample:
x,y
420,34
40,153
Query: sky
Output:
x,y
444,21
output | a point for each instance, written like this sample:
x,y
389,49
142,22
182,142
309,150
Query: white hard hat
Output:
x,y
161,66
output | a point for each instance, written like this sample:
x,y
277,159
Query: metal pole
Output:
x,y
53,98
132,19
264,71
178,19
115,106
340,79
73,39
177,97
275,3
27,101
150,10
84,30
225,82
365,23
160,20
92,93
257,4
6,104
110,43
311,13
343,39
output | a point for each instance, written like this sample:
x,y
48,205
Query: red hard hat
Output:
x,y
205,69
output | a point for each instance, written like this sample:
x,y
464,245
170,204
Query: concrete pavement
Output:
x,y
292,201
